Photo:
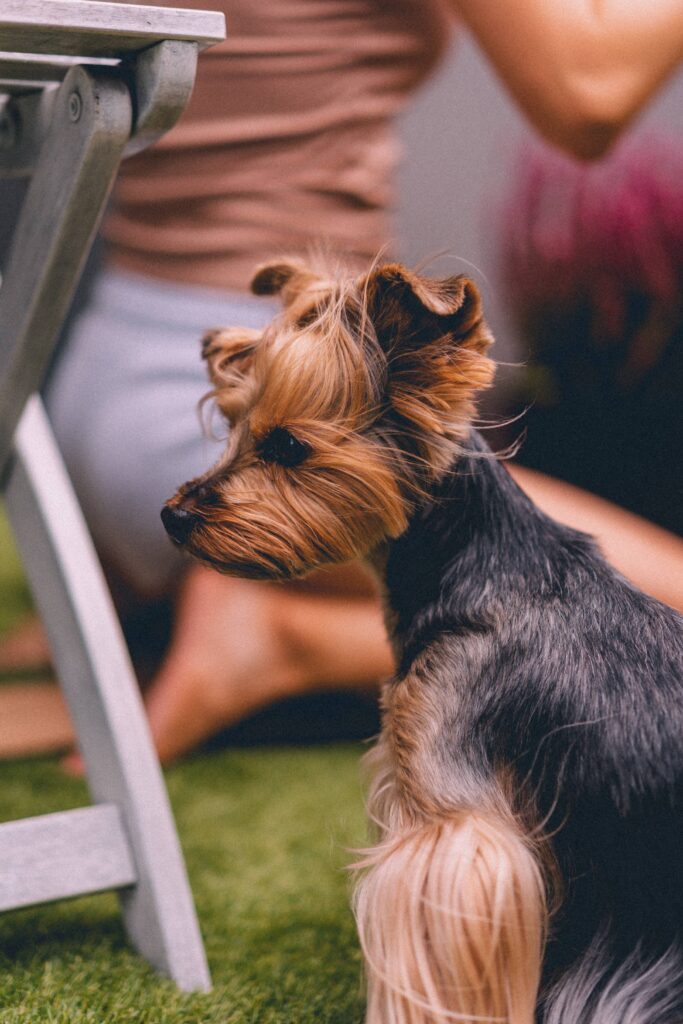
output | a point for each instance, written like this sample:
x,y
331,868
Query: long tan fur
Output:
x,y
451,916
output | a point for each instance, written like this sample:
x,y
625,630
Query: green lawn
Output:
x,y
264,833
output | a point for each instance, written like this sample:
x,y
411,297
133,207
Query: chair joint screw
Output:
x,y
75,106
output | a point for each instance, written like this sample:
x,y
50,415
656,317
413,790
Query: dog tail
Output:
x,y
600,989
452,917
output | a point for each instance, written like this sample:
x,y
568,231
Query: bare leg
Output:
x,y
33,716
24,648
34,720
239,645
649,556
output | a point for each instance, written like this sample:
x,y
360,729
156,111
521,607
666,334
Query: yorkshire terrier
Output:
x,y
527,790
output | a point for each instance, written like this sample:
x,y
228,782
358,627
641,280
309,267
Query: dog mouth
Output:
x,y
245,569
248,567
187,532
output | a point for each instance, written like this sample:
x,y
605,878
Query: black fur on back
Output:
x,y
581,697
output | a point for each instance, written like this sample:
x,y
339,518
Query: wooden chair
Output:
x,y
83,83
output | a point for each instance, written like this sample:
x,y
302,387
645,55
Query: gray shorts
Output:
x,y
123,400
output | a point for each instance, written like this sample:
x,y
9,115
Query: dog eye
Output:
x,y
283,448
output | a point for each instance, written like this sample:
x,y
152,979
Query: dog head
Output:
x,y
342,412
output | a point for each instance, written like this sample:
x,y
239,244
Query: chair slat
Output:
x,y
56,856
40,71
95,28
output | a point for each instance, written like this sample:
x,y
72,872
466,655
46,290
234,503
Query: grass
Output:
x,y
264,833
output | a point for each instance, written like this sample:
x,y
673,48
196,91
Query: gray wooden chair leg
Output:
x,y
99,686
72,149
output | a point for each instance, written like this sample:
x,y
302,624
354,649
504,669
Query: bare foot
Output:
x,y
239,645
25,648
34,720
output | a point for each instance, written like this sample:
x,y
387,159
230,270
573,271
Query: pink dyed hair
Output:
x,y
597,234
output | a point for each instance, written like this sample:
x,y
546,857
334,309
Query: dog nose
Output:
x,y
178,522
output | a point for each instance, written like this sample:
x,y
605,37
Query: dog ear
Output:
x,y
435,339
409,311
283,277
229,352
270,278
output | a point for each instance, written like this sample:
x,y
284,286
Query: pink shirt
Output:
x,y
287,141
